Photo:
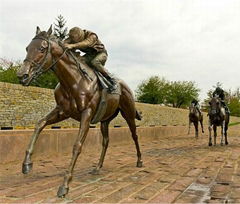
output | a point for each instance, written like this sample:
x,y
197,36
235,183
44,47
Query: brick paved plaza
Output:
x,y
177,169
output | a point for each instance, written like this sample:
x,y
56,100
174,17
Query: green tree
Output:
x,y
8,73
205,104
60,31
152,90
8,70
233,102
180,93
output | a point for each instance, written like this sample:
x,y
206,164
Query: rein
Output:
x,y
39,66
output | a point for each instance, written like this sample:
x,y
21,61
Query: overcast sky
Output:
x,y
197,40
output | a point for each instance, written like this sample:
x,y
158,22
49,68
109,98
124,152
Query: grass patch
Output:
x,y
232,124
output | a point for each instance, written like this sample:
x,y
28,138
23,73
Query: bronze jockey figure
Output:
x,y
220,93
95,52
196,104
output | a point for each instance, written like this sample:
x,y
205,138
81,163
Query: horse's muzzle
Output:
x,y
213,112
24,79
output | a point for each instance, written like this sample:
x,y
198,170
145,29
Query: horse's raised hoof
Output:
x,y
95,171
62,191
210,144
27,167
139,164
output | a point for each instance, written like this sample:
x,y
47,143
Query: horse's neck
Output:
x,y
69,71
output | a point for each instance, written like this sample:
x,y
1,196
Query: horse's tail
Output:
x,y
138,115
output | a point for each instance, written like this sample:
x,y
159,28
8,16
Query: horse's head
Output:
x,y
192,109
38,59
215,106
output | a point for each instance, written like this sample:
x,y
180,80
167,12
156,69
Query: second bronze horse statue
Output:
x,y
77,96
194,117
217,117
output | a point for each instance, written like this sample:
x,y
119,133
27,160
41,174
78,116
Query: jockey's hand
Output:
x,y
68,46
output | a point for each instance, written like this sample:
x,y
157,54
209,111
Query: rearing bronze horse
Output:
x,y
77,96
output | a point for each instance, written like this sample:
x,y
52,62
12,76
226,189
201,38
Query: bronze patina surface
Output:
x,y
77,95
218,116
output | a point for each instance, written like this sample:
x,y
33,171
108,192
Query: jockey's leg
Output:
x,y
225,106
98,62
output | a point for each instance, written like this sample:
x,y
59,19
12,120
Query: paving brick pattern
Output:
x,y
177,169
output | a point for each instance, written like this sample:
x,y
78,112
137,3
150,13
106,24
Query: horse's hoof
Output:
x,y
139,164
209,144
27,167
226,143
62,191
95,171
221,144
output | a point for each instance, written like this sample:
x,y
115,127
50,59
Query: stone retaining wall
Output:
x,y
13,143
21,107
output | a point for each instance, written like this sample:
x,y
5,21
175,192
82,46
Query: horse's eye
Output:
x,y
210,103
42,49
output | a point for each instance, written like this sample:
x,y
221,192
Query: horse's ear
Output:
x,y
49,32
38,30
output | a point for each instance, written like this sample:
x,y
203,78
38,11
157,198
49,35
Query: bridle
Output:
x,y
39,65
214,111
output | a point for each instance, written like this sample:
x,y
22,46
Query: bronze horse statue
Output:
x,y
77,96
217,117
195,117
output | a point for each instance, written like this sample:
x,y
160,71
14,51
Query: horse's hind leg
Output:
x,y
210,133
53,117
105,134
225,134
189,126
196,129
130,118
201,123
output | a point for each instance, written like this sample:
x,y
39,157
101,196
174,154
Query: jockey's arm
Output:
x,y
67,40
85,43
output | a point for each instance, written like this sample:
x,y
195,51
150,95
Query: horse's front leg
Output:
x,y
77,148
201,123
210,133
222,131
189,126
56,115
215,134
196,129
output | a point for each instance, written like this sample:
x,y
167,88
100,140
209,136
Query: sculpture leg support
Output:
x,y
53,117
77,148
